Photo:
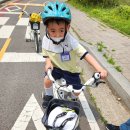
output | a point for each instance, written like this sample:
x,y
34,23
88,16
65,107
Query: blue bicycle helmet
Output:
x,y
56,10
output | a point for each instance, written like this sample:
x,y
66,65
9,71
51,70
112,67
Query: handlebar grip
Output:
x,y
97,75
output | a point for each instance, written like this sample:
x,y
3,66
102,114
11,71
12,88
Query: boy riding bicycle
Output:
x,y
61,49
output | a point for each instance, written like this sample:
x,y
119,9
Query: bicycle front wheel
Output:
x,y
36,42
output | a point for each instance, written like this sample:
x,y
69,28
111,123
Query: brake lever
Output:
x,y
99,82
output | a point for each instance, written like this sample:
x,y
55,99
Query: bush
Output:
x,y
104,3
124,11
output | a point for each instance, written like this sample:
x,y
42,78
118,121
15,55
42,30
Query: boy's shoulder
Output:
x,y
45,38
72,40
70,37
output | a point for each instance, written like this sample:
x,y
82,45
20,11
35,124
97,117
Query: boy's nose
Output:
x,y
57,35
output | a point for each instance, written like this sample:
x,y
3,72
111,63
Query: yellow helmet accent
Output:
x,y
35,17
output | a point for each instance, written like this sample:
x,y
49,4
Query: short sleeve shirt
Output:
x,y
70,45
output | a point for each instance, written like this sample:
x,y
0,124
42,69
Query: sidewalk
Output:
x,y
92,31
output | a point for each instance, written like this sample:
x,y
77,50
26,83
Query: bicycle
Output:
x,y
62,97
34,32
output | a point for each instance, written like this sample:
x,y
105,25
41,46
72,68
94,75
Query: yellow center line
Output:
x,y
4,48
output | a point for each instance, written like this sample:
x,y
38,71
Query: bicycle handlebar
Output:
x,y
94,81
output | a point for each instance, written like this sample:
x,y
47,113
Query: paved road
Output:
x,y
21,75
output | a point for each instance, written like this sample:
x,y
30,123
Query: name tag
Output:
x,y
65,56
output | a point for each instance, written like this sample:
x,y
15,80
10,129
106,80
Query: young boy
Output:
x,y
61,49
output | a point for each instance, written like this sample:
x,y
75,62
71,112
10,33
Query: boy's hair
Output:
x,y
58,21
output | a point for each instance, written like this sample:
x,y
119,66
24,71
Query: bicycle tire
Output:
x,y
36,42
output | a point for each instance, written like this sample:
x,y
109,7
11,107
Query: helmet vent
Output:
x,y
45,11
50,8
56,6
63,9
68,13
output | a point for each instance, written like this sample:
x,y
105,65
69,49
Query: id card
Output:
x,y
65,56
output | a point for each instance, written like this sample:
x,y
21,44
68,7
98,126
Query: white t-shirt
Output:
x,y
54,52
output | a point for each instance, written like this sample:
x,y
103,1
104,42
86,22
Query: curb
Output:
x,y
119,84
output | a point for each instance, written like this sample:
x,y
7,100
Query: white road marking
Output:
x,y
22,57
30,110
90,117
29,35
6,30
12,8
23,21
3,20
9,13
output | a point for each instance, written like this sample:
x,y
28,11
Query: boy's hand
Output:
x,y
103,73
48,65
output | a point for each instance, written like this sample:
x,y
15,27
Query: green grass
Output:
x,y
118,68
93,99
110,16
125,2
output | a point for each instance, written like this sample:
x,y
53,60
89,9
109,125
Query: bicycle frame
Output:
x,y
59,89
34,32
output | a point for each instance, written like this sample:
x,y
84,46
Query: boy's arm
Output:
x,y
48,64
91,60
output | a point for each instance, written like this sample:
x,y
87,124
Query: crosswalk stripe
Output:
x,y
6,30
3,20
22,57
23,21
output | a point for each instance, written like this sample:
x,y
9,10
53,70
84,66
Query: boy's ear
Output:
x,y
68,27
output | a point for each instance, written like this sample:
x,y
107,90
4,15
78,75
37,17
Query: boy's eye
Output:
x,y
52,31
62,30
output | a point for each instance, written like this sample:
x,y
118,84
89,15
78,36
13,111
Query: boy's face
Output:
x,y
57,30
